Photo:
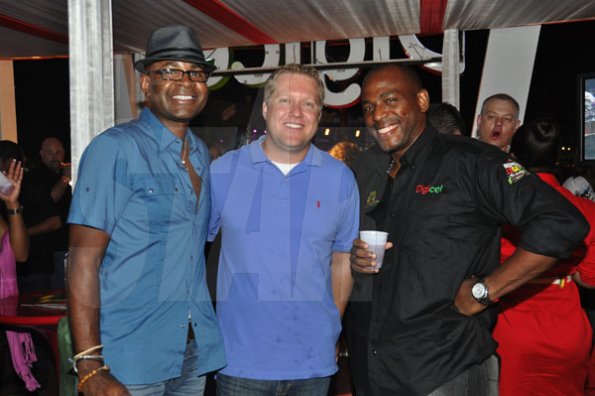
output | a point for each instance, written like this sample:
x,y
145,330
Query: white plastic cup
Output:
x,y
376,241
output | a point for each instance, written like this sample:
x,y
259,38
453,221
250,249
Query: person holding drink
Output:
x,y
424,326
14,246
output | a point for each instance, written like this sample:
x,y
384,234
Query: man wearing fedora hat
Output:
x,y
140,313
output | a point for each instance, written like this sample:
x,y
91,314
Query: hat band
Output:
x,y
166,50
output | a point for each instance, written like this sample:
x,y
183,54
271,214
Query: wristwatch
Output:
x,y
15,211
480,292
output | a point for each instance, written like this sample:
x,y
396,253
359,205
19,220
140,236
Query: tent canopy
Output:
x,y
31,28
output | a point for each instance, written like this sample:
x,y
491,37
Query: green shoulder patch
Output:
x,y
514,171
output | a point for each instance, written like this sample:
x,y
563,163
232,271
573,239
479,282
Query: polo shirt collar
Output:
x,y
257,155
161,134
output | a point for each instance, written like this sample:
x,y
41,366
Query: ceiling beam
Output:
x,y
31,29
234,21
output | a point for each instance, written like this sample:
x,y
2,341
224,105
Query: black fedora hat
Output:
x,y
175,43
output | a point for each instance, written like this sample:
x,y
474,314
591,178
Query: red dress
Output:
x,y
543,333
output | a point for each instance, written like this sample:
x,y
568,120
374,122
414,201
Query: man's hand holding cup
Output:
x,y
367,252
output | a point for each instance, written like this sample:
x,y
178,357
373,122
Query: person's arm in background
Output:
x,y
62,184
46,226
17,231
86,250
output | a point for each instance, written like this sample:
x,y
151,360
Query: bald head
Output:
x,y
406,72
52,153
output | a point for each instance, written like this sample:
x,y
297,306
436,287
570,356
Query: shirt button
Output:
x,y
374,352
176,189
392,214
150,191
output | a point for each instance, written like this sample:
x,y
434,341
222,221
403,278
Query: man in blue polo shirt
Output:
x,y
288,214
140,313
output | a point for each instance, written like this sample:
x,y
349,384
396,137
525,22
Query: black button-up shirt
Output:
x,y
446,208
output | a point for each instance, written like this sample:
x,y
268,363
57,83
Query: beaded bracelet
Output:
x,y
91,375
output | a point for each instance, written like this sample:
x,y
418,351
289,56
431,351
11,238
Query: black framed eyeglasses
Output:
x,y
178,74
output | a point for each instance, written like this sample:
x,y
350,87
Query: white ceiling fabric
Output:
x,y
282,20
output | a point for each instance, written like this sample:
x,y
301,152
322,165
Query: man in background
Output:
x,y
498,120
446,119
52,175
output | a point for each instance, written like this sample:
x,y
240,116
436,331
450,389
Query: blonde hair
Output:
x,y
293,68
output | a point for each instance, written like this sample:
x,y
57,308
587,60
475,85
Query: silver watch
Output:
x,y
480,292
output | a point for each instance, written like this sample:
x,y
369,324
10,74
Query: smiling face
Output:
x,y
497,123
292,113
174,103
394,104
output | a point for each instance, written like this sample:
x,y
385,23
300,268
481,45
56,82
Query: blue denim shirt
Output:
x,y
133,186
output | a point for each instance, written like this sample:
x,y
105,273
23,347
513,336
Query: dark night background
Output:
x,y
42,101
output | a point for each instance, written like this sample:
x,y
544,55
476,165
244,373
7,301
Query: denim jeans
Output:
x,y
189,383
235,386
478,380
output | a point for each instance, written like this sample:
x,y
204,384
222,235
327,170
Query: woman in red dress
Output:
x,y
543,332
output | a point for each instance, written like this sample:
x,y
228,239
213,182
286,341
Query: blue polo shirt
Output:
x,y
274,297
133,186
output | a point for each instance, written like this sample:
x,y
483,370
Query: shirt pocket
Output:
x,y
157,197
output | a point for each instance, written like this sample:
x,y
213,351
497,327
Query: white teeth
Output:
x,y
182,97
386,129
293,125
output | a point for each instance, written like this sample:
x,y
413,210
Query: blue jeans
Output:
x,y
189,383
236,386
478,380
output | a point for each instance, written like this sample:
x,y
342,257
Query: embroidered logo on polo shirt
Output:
x,y
514,171
424,189
371,201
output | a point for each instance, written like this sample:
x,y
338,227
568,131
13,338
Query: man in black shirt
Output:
x,y
52,176
421,325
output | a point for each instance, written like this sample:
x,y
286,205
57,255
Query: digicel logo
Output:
x,y
423,190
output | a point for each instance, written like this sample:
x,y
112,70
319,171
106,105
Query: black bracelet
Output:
x,y
16,211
